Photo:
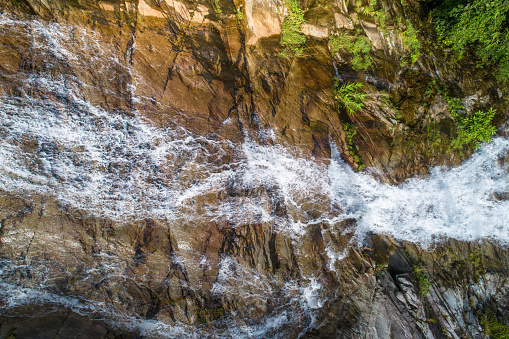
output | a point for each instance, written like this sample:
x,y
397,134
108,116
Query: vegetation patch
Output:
x,y
477,262
410,43
216,6
358,46
373,10
408,35
292,39
482,25
350,132
493,327
239,14
352,98
473,129
422,280
349,95
205,314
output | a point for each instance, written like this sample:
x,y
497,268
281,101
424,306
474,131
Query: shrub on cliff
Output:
x,y
292,39
481,24
350,95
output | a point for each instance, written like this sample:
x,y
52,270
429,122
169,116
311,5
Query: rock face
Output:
x,y
167,172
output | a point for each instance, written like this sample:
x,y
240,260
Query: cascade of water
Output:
x,y
57,143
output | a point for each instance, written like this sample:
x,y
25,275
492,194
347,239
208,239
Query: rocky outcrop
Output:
x,y
246,276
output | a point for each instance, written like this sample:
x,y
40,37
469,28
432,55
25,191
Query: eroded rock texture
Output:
x,y
166,172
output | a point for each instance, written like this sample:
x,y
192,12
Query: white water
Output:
x,y
123,167
57,143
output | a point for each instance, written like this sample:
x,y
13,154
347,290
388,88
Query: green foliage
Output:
x,y
481,24
422,280
335,44
410,42
493,327
216,6
454,105
373,10
431,89
358,45
352,98
239,14
477,262
292,39
473,129
477,128
350,132
350,95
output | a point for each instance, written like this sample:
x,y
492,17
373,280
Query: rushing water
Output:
x,y
56,143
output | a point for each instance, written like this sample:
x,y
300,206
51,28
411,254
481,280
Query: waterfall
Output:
x,y
57,143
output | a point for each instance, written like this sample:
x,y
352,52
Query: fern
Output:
x,y
350,95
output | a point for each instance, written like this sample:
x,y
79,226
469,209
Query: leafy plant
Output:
x,y
239,14
350,95
477,128
371,10
473,129
335,44
358,45
481,24
292,39
410,42
455,106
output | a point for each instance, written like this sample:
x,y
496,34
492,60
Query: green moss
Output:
x,y
477,262
205,314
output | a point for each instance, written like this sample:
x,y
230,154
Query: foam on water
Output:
x,y
460,203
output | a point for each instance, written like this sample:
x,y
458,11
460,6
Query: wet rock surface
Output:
x,y
145,191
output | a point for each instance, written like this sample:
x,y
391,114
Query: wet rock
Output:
x,y
222,256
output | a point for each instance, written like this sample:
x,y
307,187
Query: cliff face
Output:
x,y
171,161
217,69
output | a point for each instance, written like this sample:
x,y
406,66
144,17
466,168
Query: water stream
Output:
x,y
56,143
